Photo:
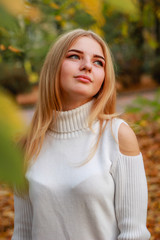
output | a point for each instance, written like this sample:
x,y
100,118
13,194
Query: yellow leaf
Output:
x,y
150,39
17,7
13,49
94,8
143,123
54,5
125,6
2,47
27,66
158,121
158,13
33,77
97,30
10,114
70,11
125,29
32,12
58,18
63,23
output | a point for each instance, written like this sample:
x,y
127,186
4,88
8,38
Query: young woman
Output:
x,y
85,171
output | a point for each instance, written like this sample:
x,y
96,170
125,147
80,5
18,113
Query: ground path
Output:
x,y
125,99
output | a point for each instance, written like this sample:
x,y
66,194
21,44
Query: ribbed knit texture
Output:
x,y
106,199
131,192
23,220
72,123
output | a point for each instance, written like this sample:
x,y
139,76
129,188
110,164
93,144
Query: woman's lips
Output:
x,y
83,78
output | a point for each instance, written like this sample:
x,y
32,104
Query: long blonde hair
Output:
x,y
49,100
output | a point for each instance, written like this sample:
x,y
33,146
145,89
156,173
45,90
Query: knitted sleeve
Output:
x,y
130,197
131,194
22,219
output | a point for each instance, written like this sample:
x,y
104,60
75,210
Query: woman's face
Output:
x,y
82,72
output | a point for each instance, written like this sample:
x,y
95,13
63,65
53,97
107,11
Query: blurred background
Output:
x,y
27,30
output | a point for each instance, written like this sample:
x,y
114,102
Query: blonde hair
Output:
x,y
49,92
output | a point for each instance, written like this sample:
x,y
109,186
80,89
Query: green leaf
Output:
x,y
124,6
11,157
10,22
132,109
157,95
11,167
142,101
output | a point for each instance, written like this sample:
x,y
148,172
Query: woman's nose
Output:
x,y
86,65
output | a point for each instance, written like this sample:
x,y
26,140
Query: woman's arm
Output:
x,y
130,188
23,218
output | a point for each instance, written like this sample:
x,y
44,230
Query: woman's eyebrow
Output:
x,y
98,56
78,51
75,50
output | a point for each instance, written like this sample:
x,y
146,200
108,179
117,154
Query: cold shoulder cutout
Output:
x,y
128,144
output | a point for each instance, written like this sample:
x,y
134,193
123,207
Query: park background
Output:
x,y
27,30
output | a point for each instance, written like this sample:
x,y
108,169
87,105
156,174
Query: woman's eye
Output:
x,y
73,56
97,62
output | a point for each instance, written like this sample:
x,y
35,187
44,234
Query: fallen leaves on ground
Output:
x,y
148,134
6,213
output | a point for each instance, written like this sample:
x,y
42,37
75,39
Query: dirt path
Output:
x,y
125,99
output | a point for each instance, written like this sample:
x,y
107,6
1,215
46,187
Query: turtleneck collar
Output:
x,y
72,121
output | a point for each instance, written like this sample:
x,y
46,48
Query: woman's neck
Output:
x,y
68,104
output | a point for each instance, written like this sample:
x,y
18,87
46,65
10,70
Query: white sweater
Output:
x,y
105,199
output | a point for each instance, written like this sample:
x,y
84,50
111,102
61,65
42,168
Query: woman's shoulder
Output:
x,y
128,144
124,136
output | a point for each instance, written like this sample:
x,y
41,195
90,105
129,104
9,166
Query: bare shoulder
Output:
x,y
128,143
